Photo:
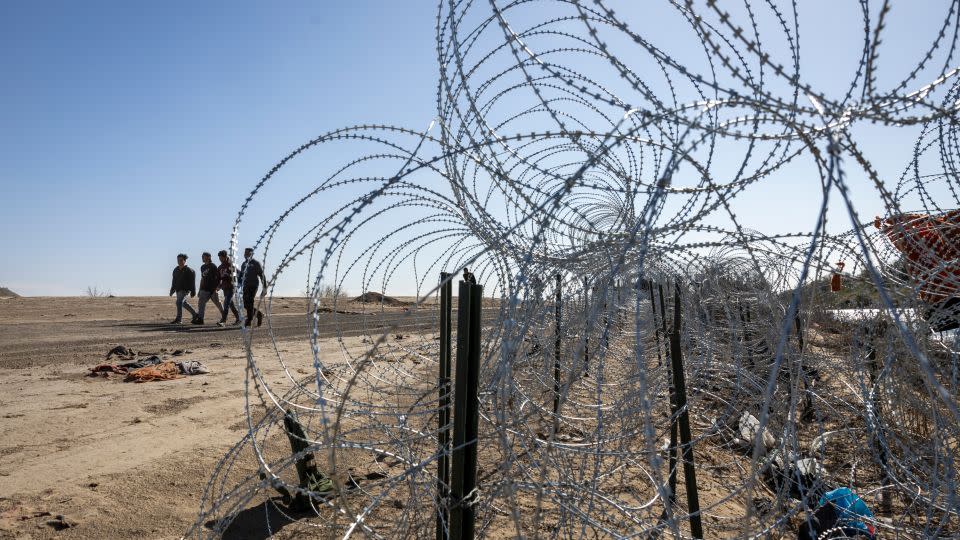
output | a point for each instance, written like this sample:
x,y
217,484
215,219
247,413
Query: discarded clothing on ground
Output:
x,y
164,371
151,368
106,369
839,511
143,362
121,351
192,367
125,368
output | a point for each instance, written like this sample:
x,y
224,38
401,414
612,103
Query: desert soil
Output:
x,y
127,460
109,459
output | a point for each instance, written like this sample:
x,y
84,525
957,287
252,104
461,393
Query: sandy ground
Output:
x,y
94,457
116,459
56,331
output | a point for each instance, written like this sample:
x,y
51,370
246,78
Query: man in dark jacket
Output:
x,y
184,282
209,283
251,275
226,272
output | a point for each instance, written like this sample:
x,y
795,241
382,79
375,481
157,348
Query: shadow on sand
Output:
x,y
180,329
257,523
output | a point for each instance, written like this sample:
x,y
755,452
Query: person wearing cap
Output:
x,y
468,276
184,282
209,283
251,275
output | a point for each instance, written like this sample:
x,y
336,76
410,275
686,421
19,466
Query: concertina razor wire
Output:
x,y
591,175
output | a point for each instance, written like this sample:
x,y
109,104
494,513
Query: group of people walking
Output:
x,y
214,278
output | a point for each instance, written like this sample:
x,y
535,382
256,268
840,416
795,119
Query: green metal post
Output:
x,y
686,440
443,421
466,413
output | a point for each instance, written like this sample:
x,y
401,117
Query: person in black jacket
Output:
x,y
209,283
251,275
184,282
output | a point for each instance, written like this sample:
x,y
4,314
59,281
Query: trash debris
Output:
x,y
150,368
748,427
121,351
106,369
800,478
143,362
161,372
192,367
842,513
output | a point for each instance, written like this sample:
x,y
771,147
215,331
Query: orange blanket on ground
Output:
x,y
164,371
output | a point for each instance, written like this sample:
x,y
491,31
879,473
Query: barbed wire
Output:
x,y
576,148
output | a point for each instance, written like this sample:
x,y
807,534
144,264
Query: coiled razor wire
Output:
x,y
570,143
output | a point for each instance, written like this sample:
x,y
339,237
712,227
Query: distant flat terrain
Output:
x,y
38,331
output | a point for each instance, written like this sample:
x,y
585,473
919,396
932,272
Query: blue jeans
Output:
x,y
228,306
203,297
182,304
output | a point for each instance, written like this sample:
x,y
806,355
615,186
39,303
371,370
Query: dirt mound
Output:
x,y
7,293
377,298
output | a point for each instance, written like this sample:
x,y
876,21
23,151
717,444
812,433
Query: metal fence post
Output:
x,y
747,337
875,336
558,301
466,413
656,325
586,327
310,477
680,385
672,464
443,416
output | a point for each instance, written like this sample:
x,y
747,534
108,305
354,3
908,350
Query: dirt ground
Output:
x,y
127,460
40,331
96,457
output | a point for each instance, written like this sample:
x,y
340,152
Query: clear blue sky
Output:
x,y
134,130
